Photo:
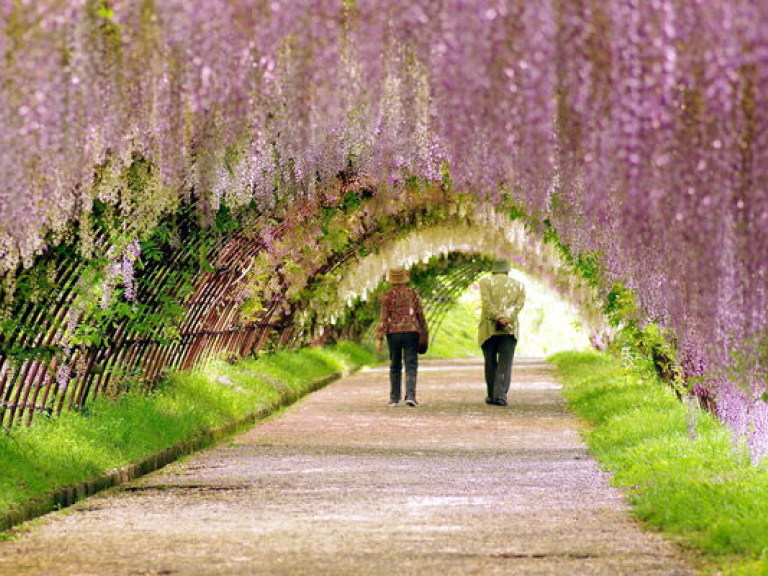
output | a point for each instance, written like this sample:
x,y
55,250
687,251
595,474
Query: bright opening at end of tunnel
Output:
x,y
548,324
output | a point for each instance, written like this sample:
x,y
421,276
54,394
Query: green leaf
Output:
x,y
105,13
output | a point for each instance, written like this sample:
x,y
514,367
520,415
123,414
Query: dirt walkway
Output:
x,y
341,484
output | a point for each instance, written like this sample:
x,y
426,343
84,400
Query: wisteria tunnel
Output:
x,y
190,179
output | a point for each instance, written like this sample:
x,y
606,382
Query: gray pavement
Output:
x,y
340,484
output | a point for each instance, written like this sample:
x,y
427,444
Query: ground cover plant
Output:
x,y
78,446
679,466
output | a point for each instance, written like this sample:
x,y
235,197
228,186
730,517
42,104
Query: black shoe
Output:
x,y
411,402
488,401
498,402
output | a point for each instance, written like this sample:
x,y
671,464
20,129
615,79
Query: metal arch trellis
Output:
x,y
33,347
442,291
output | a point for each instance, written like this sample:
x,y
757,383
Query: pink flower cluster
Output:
x,y
746,413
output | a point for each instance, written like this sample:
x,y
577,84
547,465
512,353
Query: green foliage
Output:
x,y
515,211
101,11
649,347
77,446
73,274
351,201
226,220
695,489
646,347
588,265
336,236
104,16
620,305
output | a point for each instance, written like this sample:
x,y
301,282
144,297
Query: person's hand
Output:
x,y
504,321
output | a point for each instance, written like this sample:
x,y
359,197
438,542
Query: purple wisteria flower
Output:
x,y
637,130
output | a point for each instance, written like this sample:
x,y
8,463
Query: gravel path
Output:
x,y
340,484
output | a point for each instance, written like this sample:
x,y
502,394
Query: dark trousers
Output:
x,y
498,351
403,345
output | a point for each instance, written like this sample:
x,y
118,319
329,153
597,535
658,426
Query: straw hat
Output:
x,y
500,266
397,276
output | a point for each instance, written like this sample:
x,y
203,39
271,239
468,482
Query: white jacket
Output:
x,y
501,297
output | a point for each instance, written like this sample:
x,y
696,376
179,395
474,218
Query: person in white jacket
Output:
x,y
502,298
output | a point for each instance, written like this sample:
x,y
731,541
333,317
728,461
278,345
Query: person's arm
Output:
x,y
515,303
420,311
383,319
490,305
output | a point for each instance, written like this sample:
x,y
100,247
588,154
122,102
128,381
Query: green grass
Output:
x,y
698,490
457,336
76,447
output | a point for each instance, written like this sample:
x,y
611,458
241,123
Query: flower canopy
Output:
x,y
637,130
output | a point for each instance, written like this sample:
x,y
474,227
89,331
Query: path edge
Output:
x,y
70,494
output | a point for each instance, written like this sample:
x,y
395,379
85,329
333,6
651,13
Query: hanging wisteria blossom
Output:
x,y
637,130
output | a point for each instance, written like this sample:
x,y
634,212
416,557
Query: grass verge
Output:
x,y
679,468
457,337
78,447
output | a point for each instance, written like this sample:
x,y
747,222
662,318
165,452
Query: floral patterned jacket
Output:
x,y
401,311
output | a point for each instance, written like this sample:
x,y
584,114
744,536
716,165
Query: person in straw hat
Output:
x,y
401,319
501,298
